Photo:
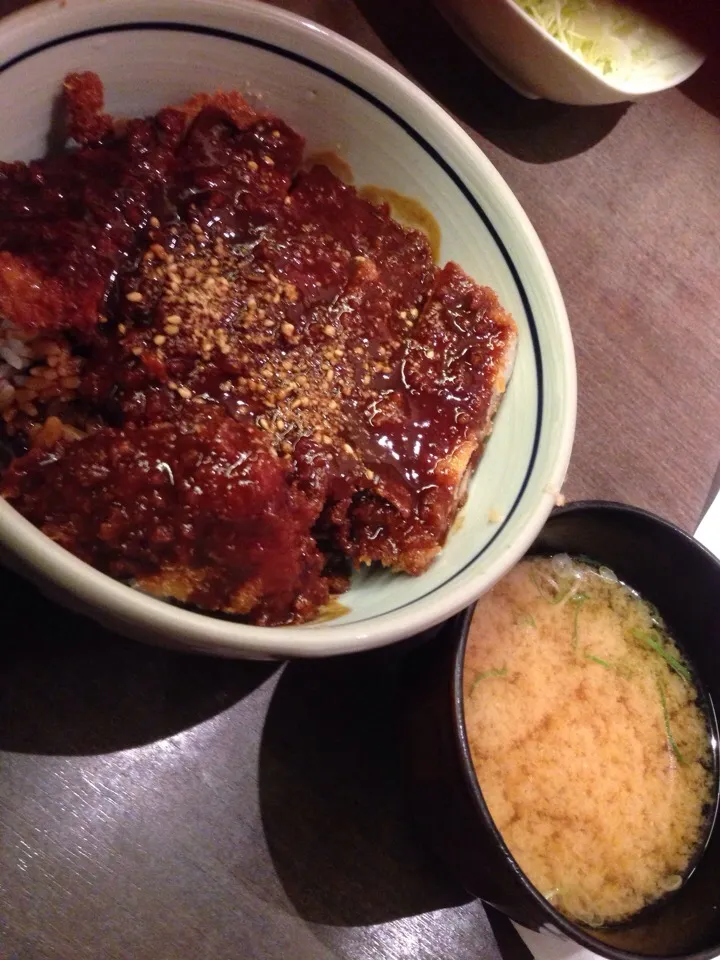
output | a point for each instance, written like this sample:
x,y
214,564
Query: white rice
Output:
x,y
16,355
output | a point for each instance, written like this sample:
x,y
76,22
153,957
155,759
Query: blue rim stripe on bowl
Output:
x,y
421,142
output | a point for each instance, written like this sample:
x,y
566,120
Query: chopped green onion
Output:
x,y
666,719
603,663
487,673
651,639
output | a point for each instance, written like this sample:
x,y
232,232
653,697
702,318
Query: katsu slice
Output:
x,y
382,270
426,431
233,169
68,223
290,332
199,512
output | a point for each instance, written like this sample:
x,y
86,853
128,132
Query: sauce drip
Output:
x,y
408,211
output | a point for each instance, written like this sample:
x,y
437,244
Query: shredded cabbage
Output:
x,y
609,38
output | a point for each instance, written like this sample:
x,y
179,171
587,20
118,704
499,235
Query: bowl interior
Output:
x,y
682,579
685,61
344,100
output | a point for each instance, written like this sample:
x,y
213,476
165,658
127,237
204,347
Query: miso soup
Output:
x,y
590,741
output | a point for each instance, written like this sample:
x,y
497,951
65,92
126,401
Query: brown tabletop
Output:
x,y
161,807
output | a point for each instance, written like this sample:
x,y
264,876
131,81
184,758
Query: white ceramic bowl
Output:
x,y
537,65
343,98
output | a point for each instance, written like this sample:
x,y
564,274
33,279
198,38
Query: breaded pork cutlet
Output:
x,y
286,304
200,512
69,224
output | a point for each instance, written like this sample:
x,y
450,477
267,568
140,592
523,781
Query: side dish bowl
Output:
x,y
682,579
534,63
345,100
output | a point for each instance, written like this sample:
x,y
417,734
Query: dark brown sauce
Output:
x,y
405,209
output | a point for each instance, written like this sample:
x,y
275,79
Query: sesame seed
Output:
x,y
196,228
329,330
287,329
134,296
159,340
252,165
154,223
184,393
122,328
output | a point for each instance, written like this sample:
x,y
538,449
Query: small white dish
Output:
x,y
536,65
341,98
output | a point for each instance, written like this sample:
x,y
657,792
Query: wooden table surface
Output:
x,y
161,807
